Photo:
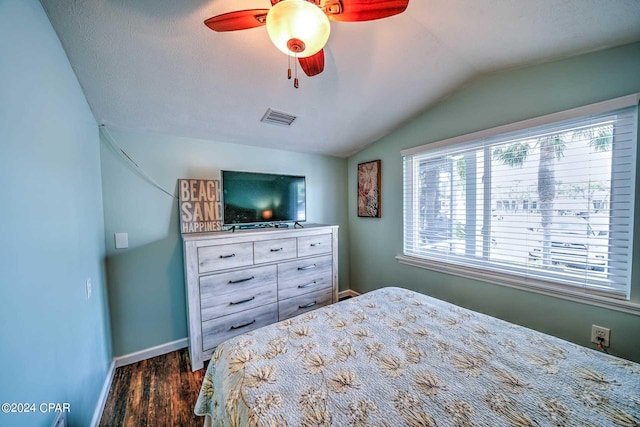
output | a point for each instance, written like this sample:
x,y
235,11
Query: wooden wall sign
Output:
x,y
200,206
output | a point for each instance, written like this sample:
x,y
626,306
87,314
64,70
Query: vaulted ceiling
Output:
x,y
152,65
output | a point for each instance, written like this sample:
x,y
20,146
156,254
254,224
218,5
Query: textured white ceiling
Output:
x,y
152,65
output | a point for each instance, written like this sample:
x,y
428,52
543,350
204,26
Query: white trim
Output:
x,y
587,110
347,293
104,394
512,282
148,353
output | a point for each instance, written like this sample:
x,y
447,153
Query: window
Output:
x,y
546,206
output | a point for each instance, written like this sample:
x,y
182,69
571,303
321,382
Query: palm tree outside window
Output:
x,y
548,205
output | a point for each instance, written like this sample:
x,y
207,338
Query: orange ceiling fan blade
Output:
x,y
238,20
368,10
314,64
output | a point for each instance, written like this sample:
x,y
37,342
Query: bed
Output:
x,y
394,357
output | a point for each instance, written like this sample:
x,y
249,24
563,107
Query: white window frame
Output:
x,y
482,273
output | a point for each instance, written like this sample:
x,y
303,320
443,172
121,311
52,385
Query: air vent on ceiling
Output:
x,y
277,118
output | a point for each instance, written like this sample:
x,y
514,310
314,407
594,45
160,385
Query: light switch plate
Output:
x,y
122,240
88,287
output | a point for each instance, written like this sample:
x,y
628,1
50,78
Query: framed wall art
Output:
x,y
369,202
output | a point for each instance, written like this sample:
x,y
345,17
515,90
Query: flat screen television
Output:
x,y
251,198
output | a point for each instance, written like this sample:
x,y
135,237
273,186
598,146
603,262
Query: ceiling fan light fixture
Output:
x,y
298,27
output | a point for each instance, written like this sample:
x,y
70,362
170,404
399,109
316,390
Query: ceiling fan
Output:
x,y
300,28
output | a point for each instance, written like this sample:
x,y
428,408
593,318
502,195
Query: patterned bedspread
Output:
x,y
393,357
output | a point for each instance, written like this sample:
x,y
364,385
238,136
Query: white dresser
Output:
x,y
239,281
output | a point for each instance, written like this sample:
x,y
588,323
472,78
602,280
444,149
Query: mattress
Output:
x,y
394,357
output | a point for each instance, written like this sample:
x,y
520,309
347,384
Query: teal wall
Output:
x,y
65,193
484,103
146,281
54,343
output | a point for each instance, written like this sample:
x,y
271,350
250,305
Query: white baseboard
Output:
x,y
102,400
347,293
148,353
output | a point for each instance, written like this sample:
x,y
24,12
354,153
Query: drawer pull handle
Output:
x,y
242,326
243,301
227,256
311,304
315,244
308,267
233,282
276,250
307,285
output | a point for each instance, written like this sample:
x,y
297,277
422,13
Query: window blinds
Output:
x,y
545,205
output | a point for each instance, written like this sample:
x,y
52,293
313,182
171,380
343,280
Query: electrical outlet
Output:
x,y
602,333
60,420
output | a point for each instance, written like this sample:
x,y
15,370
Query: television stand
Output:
x,y
233,228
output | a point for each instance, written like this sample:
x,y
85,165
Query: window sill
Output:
x,y
517,283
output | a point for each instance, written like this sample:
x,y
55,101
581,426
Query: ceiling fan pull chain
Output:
x,y
289,70
295,80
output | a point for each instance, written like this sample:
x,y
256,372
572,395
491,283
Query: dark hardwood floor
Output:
x,y
161,391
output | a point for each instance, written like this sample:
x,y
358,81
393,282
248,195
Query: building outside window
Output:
x,y
548,205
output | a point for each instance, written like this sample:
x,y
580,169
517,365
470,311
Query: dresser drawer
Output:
x,y
274,250
221,257
227,293
301,304
221,329
314,245
302,276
